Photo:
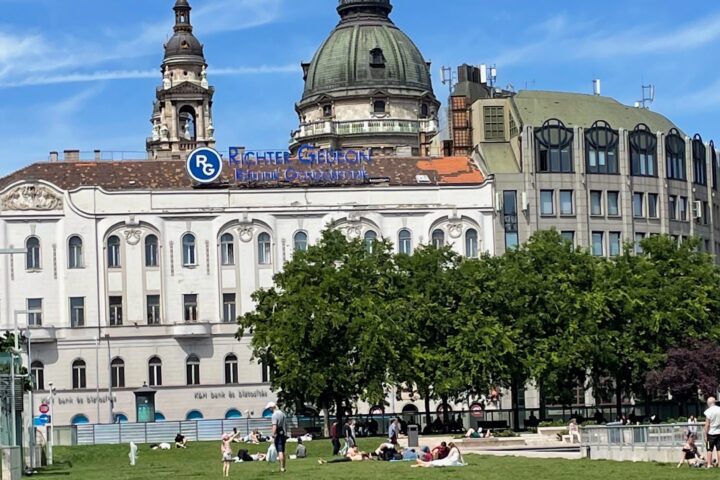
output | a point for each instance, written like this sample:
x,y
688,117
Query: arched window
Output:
x,y
152,258
187,124
192,370
227,249
438,238
233,414
471,243
189,254
601,148
405,242
159,417
78,375
117,373
113,252
643,153
32,258
300,242
155,372
231,370
379,106
194,415
554,147
37,370
121,418
264,249
699,156
370,238
79,420
75,252
675,155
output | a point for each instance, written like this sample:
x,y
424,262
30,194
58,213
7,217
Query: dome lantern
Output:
x,y
377,7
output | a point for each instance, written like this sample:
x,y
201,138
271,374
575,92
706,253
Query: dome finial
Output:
x,y
377,7
182,16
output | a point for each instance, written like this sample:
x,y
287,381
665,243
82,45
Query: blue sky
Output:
x,y
81,73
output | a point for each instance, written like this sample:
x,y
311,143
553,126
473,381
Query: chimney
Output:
x,y
98,157
54,157
72,155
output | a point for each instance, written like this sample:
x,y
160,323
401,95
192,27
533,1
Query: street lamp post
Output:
x,y
16,335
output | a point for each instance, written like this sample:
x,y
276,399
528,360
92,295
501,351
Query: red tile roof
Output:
x,y
171,175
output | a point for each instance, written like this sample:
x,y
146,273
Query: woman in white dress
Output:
x,y
454,459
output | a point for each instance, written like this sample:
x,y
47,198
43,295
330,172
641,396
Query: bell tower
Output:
x,y
182,111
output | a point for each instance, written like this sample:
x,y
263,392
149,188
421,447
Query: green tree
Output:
x,y
326,327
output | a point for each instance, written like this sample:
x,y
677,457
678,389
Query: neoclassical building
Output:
x,y
136,274
368,85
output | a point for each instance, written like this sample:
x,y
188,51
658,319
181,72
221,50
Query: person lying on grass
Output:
x,y
454,459
353,455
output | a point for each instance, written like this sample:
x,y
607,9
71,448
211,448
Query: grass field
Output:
x,y
202,461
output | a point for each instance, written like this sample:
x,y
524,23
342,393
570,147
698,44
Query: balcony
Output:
x,y
366,127
192,330
42,334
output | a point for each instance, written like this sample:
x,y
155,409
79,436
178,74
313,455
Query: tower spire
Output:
x,y
182,16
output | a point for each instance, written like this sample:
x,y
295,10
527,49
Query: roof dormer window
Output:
x,y
377,59
327,110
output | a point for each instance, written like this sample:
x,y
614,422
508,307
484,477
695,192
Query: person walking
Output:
x,y
226,452
712,430
279,433
394,431
335,438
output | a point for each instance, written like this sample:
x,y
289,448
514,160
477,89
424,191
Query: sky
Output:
x,y
81,74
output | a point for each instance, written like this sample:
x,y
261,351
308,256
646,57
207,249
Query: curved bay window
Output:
x,y
699,153
554,147
714,165
601,148
643,152
675,155
438,239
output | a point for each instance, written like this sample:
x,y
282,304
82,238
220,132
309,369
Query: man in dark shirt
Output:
x,y
335,438
180,441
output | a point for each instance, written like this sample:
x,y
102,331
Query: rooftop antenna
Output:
x,y
446,76
596,87
492,77
648,96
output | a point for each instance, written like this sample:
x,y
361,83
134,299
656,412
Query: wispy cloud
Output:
x,y
702,100
579,39
106,75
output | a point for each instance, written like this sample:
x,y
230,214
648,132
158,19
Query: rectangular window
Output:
x,y
79,378
639,237
682,209
613,200
705,213
615,243
568,236
34,306
598,248
192,373
512,240
638,200
266,377
153,309
513,126
642,163
229,314
547,202
115,311
596,202
566,202
190,308
494,118
77,312
652,202
510,219
672,207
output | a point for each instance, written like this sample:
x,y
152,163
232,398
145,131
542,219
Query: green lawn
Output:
x,y
202,461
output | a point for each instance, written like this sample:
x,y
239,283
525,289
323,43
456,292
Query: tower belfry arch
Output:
x,y
182,111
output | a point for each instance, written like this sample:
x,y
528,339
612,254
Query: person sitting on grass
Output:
x,y
300,451
472,433
441,451
690,455
180,441
353,455
453,459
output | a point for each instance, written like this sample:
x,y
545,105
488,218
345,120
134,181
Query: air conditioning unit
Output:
x,y
697,209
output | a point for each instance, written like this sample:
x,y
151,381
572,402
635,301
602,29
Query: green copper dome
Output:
x,y
364,53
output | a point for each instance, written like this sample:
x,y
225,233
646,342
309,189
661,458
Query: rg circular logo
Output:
x,y
204,165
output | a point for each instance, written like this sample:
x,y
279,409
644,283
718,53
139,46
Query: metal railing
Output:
x,y
330,127
640,436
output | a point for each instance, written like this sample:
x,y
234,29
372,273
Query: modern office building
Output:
x,y
136,274
600,172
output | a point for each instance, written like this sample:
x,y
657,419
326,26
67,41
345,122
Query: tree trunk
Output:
x,y
515,403
446,414
339,414
428,416
541,400
618,397
326,422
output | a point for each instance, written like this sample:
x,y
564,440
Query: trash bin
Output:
x,y
413,436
